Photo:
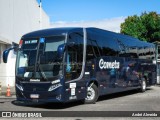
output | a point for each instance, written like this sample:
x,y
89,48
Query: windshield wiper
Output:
x,y
35,67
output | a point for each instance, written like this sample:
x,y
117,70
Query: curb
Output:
x,y
5,97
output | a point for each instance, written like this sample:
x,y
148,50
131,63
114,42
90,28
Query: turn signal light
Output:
x,y
20,43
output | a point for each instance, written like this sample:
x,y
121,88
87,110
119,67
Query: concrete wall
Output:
x,y
17,17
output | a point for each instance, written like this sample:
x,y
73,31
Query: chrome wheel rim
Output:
x,y
90,93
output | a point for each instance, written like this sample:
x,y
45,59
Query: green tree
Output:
x,y
145,27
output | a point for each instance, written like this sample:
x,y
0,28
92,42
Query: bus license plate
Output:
x,y
34,95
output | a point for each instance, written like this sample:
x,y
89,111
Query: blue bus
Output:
x,y
68,64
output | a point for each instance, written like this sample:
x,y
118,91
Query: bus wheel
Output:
x,y
143,85
92,94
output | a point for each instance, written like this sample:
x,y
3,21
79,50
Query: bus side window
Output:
x,y
90,53
93,49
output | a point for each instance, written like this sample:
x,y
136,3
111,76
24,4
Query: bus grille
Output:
x,y
35,87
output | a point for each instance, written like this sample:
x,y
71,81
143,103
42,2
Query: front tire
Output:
x,y
92,94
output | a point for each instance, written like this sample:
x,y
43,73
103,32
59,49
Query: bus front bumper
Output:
x,y
39,96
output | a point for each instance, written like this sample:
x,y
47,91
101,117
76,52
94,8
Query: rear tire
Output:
x,y
92,95
143,85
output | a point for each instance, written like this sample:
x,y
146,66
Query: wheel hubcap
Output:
x,y
90,94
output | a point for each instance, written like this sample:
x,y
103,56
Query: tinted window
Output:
x,y
74,56
103,46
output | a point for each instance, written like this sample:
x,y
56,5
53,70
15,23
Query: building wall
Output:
x,y
17,17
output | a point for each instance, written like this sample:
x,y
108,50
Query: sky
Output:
x,y
105,14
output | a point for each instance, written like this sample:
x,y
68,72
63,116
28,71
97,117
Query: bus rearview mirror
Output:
x,y
60,51
5,54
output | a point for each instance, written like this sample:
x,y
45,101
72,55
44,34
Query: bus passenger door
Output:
x,y
73,67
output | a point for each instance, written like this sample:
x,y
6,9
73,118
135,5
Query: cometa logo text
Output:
x,y
108,65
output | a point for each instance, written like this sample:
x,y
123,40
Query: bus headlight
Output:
x,y
53,87
19,87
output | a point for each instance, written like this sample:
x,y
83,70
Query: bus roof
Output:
x,y
51,32
125,39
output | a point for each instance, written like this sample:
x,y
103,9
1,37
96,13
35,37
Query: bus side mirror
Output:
x,y
60,51
5,54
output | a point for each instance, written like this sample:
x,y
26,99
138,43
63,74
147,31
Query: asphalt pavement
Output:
x,y
125,101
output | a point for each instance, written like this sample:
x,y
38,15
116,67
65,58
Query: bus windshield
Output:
x,y
38,58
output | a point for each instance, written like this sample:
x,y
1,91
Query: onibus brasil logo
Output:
x,y
108,65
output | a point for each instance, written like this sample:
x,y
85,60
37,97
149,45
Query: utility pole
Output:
x,y
40,14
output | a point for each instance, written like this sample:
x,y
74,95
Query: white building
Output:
x,y
17,17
